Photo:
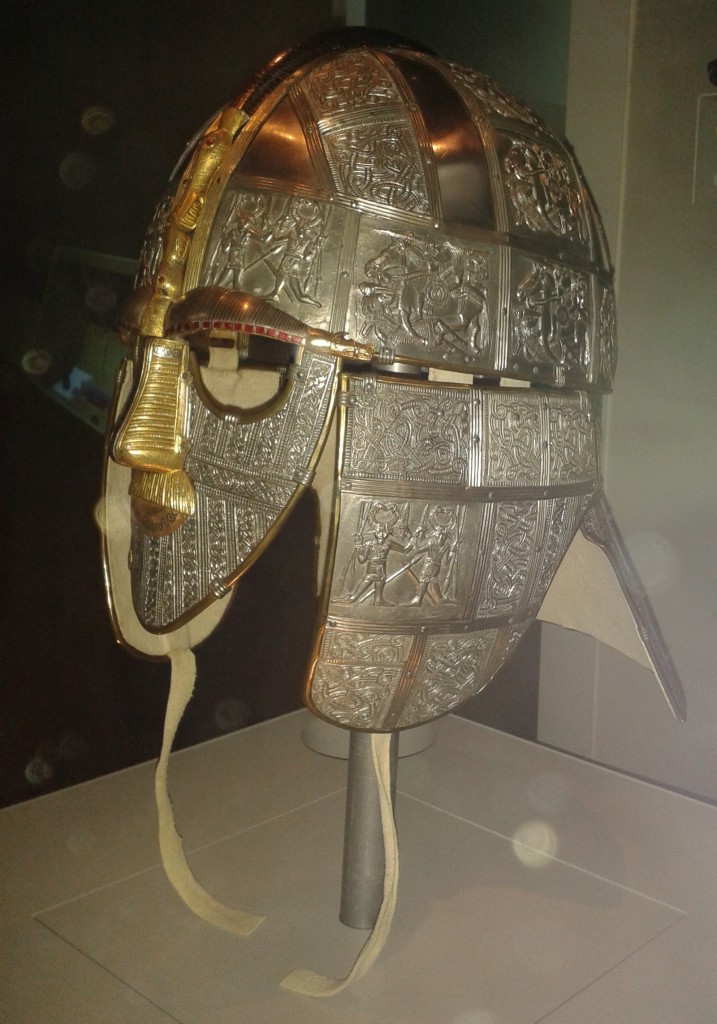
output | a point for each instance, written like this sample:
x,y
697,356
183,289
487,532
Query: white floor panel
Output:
x,y
477,930
606,912
44,979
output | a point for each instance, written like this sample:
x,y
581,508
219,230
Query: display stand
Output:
x,y
363,862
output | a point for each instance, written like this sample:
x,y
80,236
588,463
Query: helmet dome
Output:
x,y
413,204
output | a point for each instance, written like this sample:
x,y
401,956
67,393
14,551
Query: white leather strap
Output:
x,y
175,863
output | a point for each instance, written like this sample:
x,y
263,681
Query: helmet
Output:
x,y
378,274
403,261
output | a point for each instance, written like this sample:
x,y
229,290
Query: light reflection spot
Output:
x,y
656,560
77,170
231,713
36,362
100,298
535,844
38,771
99,514
97,120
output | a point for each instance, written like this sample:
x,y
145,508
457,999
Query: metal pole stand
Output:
x,y
363,864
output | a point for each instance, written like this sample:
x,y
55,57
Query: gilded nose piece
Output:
x,y
149,439
150,435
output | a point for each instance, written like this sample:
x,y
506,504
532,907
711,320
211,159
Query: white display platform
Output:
x,y
534,887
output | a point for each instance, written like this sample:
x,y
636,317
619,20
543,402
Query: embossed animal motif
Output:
x,y
380,275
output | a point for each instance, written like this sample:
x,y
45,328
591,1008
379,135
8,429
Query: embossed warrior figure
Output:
x,y
437,540
242,241
297,238
374,543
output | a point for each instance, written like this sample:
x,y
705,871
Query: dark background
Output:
x,y
73,704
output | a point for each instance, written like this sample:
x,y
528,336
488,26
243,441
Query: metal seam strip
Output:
x,y
467,624
544,514
545,442
592,370
503,339
480,568
475,452
314,144
368,487
405,683
345,266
